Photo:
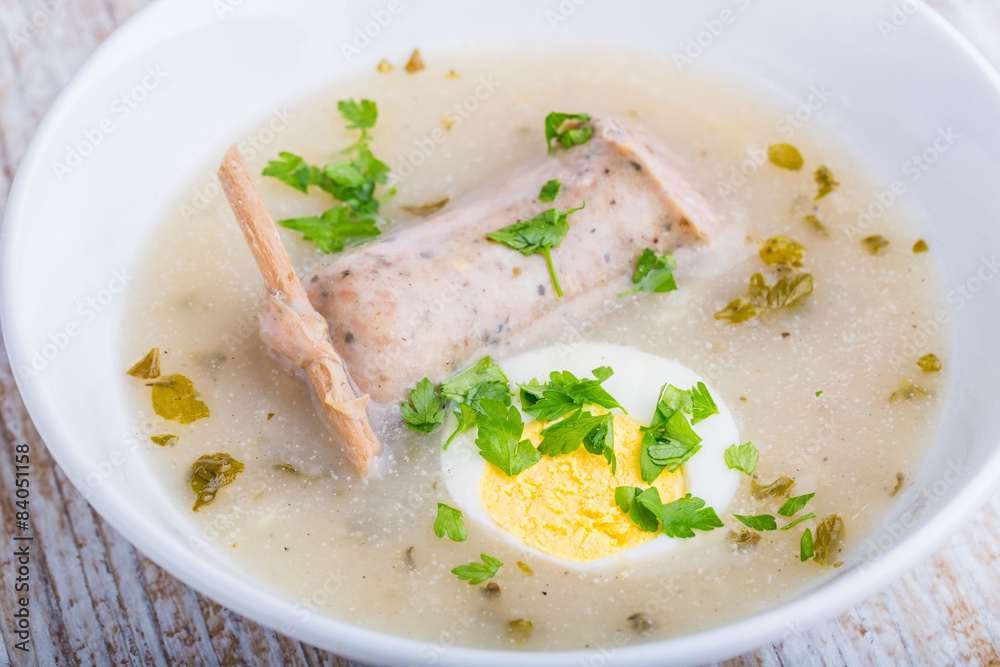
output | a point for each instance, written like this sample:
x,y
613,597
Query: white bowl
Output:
x,y
197,72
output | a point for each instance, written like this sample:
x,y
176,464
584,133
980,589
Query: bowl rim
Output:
x,y
359,643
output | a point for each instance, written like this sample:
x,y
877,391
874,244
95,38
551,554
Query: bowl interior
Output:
x,y
166,95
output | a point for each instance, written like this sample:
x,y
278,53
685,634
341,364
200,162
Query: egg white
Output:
x,y
636,385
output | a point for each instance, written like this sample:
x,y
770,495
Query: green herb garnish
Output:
x,y
653,274
520,629
792,524
550,191
743,458
679,518
449,522
907,390
484,379
164,440
758,522
565,393
568,129
594,432
792,506
780,487
539,235
351,181
524,567
806,546
929,363
819,393
785,156
703,405
477,573
176,399
147,368
829,538
920,246
745,536
825,181
875,244
669,440
499,439
211,472
787,293
782,250
424,411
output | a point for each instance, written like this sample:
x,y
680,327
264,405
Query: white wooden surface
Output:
x,y
98,601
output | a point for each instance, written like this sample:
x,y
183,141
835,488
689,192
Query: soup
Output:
x,y
836,386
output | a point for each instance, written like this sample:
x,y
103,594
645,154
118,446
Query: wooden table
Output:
x,y
98,601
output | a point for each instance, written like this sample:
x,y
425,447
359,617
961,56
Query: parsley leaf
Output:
x,y
626,497
477,573
424,412
758,522
466,417
802,518
351,181
484,379
704,406
669,440
825,181
361,116
568,129
539,235
681,517
594,432
499,439
653,274
742,458
785,156
550,191
565,392
806,546
334,229
792,506
449,522
782,250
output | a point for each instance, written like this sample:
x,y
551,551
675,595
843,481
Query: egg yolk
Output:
x,y
564,506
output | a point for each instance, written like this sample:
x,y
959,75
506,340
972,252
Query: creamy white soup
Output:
x,y
837,391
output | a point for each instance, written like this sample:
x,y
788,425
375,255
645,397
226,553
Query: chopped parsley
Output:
x,y
920,246
484,379
351,181
449,522
782,250
539,235
423,210
210,473
164,440
476,573
669,440
594,432
499,439
929,363
806,546
819,393
825,182
424,411
567,129
908,390
785,294
679,518
792,506
792,524
653,274
785,156
550,191
703,405
565,393
743,458
758,522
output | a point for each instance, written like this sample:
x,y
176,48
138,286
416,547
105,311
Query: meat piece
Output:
x,y
427,299
289,324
